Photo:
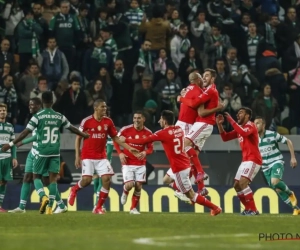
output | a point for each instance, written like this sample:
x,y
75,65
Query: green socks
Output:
x,y
38,185
283,187
24,194
52,193
2,193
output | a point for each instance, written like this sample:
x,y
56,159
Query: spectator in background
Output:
x,y
59,91
49,10
64,176
232,63
5,55
8,96
161,64
291,58
265,105
142,95
231,101
96,58
157,30
175,21
190,62
53,64
5,72
179,45
93,93
66,30
145,57
216,45
199,29
147,7
135,16
122,94
25,85
73,104
41,88
168,88
247,8
99,22
38,18
222,75
149,112
28,34
109,42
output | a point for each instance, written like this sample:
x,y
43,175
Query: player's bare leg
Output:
x,y
83,182
26,186
201,200
61,207
126,189
245,195
106,182
192,153
136,198
2,195
38,185
167,180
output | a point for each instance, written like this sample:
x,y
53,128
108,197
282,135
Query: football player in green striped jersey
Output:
x,y
273,164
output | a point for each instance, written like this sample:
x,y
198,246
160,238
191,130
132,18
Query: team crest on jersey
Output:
x,y
99,128
105,127
144,136
170,132
137,137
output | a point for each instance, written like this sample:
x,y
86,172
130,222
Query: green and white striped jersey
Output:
x,y
269,149
34,148
6,136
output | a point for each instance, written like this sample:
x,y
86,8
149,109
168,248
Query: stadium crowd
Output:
x,y
137,55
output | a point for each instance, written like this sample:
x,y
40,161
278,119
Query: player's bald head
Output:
x,y
194,76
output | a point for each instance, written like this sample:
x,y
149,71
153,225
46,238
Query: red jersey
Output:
x,y
248,138
210,99
131,132
172,139
94,148
186,113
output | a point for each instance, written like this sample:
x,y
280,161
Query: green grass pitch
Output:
x,y
120,230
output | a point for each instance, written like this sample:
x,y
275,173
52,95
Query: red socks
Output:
x,y
102,197
77,186
203,201
242,199
250,203
191,152
135,200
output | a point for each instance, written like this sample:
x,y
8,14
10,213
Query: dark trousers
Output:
x,y
24,61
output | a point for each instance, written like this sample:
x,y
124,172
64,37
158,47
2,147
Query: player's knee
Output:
x,y
86,180
187,142
167,180
138,186
236,186
27,178
129,185
274,182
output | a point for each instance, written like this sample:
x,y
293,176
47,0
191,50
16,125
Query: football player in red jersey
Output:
x,y
172,139
203,126
133,167
93,154
246,132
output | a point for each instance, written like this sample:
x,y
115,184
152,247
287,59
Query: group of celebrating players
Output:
x,y
182,143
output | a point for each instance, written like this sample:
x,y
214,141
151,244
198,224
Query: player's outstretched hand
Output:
x,y
220,106
14,163
183,92
77,162
123,158
293,162
5,147
86,135
220,119
178,98
141,155
134,151
122,138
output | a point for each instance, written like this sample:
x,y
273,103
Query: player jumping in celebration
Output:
x,y
35,105
47,123
172,139
203,126
93,153
7,159
133,167
246,132
273,164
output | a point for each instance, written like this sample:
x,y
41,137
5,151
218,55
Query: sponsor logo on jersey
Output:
x,y
65,25
137,137
99,136
99,128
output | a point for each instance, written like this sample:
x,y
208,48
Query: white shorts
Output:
x,y
199,133
171,174
182,180
101,167
134,173
186,127
247,169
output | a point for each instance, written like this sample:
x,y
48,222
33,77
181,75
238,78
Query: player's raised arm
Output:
x,y
242,131
26,141
117,140
151,138
206,112
21,136
195,102
76,131
224,135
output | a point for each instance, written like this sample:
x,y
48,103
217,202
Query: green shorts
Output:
x,y
6,173
43,165
276,171
29,165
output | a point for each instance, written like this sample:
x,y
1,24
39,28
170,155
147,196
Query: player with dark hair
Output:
x,y
47,123
245,131
172,139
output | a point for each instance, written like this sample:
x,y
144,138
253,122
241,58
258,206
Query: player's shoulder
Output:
x,y
9,125
107,119
147,130
87,119
270,133
161,131
125,128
